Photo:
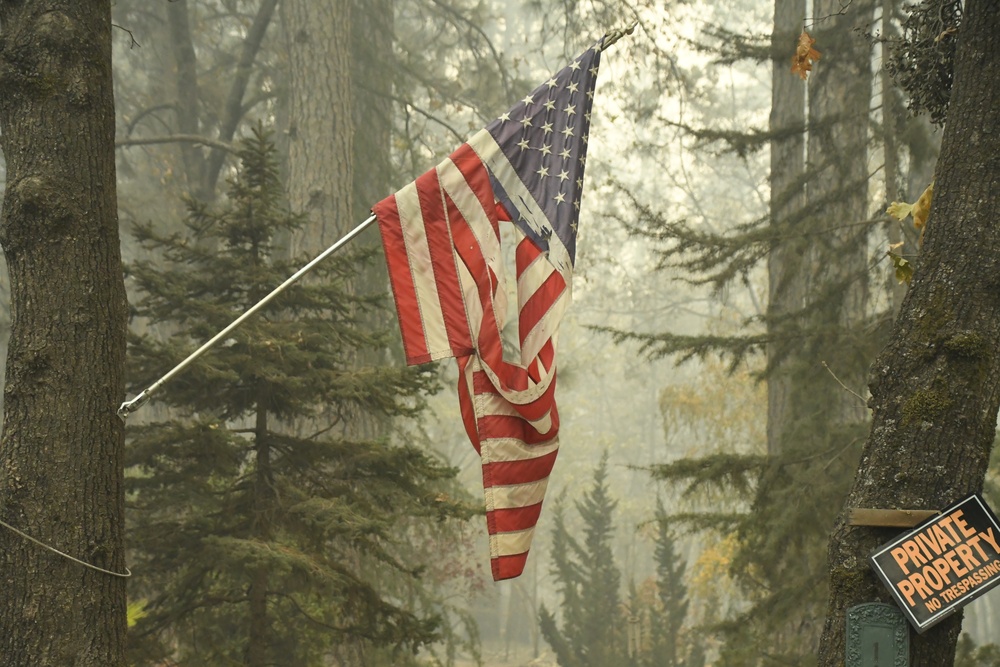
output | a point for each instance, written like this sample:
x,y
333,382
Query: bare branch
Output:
x,y
176,139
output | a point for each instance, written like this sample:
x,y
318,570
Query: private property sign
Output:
x,y
942,564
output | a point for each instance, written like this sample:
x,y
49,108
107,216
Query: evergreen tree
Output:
x,y
813,242
666,648
589,582
254,542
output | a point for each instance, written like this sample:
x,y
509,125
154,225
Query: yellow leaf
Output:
x,y
920,210
899,210
805,56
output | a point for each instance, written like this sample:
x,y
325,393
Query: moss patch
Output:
x,y
968,344
926,405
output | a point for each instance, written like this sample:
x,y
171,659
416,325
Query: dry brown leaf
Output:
x,y
805,56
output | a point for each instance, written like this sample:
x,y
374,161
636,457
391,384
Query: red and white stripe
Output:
x,y
441,236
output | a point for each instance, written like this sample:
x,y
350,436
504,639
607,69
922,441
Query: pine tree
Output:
x,y
255,542
589,583
667,649
813,241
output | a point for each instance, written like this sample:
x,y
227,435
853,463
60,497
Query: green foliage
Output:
x,y
263,528
812,244
921,61
668,644
780,561
598,629
967,654
592,632
729,473
135,611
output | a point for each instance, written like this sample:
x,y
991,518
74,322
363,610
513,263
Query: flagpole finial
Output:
x,y
617,34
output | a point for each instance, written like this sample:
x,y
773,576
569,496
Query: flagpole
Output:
x,y
128,407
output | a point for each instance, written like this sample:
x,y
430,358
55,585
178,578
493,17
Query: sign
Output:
x,y
942,564
877,636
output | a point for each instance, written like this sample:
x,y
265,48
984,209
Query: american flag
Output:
x,y
442,243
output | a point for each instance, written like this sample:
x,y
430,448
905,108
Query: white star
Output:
x,y
573,87
565,154
563,175
567,132
543,172
590,94
552,83
575,65
560,198
576,205
593,71
523,144
546,128
528,100
525,122
504,117
549,105
546,150
570,109
587,116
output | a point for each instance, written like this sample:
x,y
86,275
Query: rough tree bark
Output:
x,y
321,124
840,90
372,70
936,386
334,159
61,451
817,297
784,263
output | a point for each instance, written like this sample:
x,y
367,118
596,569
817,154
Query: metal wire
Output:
x,y
128,573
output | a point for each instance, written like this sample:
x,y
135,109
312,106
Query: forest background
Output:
x,y
676,264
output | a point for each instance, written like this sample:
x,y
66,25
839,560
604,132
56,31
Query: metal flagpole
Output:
x,y
128,407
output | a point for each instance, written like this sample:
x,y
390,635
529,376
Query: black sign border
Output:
x,y
949,609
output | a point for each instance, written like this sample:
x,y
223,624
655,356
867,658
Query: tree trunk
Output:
x,y
61,451
321,125
839,101
323,112
784,263
936,386
258,636
818,296
372,68
187,102
892,109
202,167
